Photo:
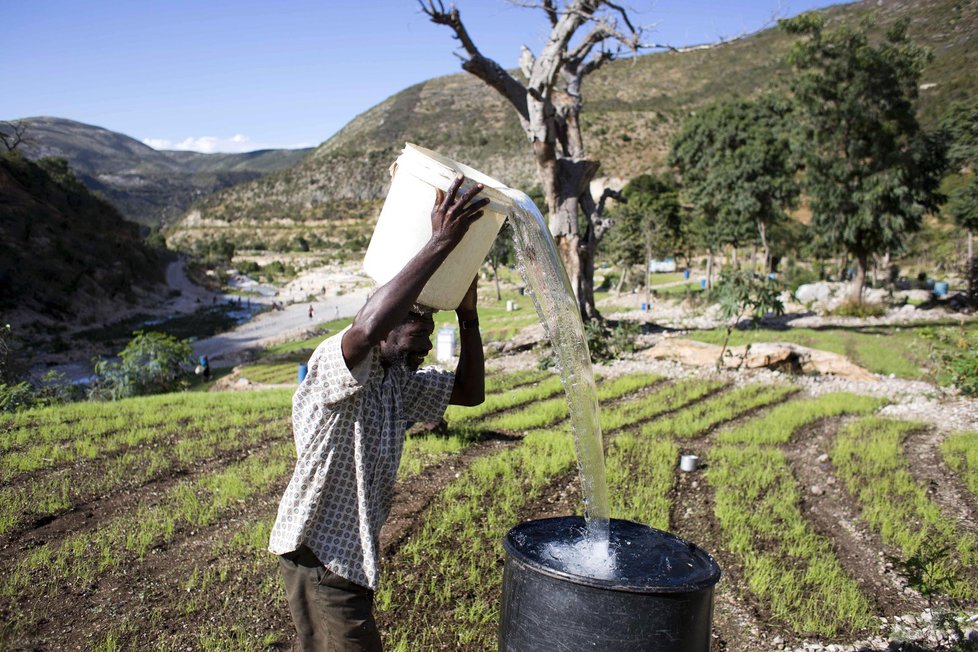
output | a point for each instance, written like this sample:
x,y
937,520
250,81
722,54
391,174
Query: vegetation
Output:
x,y
745,293
735,160
790,568
871,171
954,353
151,363
937,556
961,454
204,471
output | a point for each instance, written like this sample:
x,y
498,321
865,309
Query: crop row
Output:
x,y
786,564
440,567
961,454
938,556
100,429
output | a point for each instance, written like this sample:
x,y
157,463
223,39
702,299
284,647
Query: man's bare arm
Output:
x,y
470,375
390,304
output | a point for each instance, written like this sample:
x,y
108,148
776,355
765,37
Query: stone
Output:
x,y
813,293
816,490
823,458
771,355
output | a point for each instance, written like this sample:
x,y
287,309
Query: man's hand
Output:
x,y
451,217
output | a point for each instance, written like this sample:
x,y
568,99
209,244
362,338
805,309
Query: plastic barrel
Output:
x,y
703,283
303,370
685,274
658,597
940,288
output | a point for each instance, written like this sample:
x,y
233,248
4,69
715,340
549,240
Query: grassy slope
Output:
x,y
633,108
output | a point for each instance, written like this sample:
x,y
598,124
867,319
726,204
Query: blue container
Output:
x,y
645,307
685,274
703,283
940,288
203,360
303,370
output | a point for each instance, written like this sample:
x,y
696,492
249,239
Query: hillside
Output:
x,y
67,257
146,185
633,108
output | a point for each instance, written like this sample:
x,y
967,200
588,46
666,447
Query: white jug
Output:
x,y
404,225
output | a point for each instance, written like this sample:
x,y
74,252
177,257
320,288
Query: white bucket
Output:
x,y
404,225
445,344
688,463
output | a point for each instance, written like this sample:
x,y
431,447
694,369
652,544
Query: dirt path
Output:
x,y
277,326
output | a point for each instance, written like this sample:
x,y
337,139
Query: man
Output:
x,y
349,417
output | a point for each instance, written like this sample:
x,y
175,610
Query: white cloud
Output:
x,y
207,144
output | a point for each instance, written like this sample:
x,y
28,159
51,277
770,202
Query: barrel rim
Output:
x,y
517,556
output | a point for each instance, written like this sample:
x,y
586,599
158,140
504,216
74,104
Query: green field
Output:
x,y
180,491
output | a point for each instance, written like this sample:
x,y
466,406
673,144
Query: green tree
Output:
x,y
736,164
871,172
963,207
150,364
960,123
648,224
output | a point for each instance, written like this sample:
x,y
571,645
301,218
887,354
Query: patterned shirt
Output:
x,y
349,433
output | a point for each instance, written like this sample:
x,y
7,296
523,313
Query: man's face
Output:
x,y
408,343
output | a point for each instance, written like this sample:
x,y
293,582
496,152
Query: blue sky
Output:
x,y
221,75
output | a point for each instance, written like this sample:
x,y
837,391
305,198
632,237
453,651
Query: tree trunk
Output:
x,y
621,279
709,269
648,272
860,279
971,247
762,230
733,258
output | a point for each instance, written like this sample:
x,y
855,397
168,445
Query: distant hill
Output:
x,y
633,108
67,257
147,185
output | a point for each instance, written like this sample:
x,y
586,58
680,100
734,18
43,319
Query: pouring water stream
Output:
x,y
557,307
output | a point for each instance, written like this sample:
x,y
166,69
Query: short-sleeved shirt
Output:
x,y
349,433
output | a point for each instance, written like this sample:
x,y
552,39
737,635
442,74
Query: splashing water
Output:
x,y
554,299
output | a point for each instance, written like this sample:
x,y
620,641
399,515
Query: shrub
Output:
x,y
742,293
150,363
852,309
955,352
18,396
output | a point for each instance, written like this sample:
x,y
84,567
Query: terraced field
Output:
x,y
142,525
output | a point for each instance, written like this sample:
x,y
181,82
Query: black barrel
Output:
x,y
657,595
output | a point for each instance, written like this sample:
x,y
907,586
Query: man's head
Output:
x,y
409,342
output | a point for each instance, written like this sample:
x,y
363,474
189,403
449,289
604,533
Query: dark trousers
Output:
x,y
331,613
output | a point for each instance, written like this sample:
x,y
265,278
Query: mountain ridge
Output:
x,y
147,185
633,107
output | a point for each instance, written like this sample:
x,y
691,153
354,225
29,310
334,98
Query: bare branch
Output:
x,y
624,15
482,67
610,194
548,6
12,134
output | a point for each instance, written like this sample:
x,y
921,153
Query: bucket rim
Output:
x,y
514,554
439,170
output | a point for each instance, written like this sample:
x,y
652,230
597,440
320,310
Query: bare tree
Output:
x,y
12,134
549,105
